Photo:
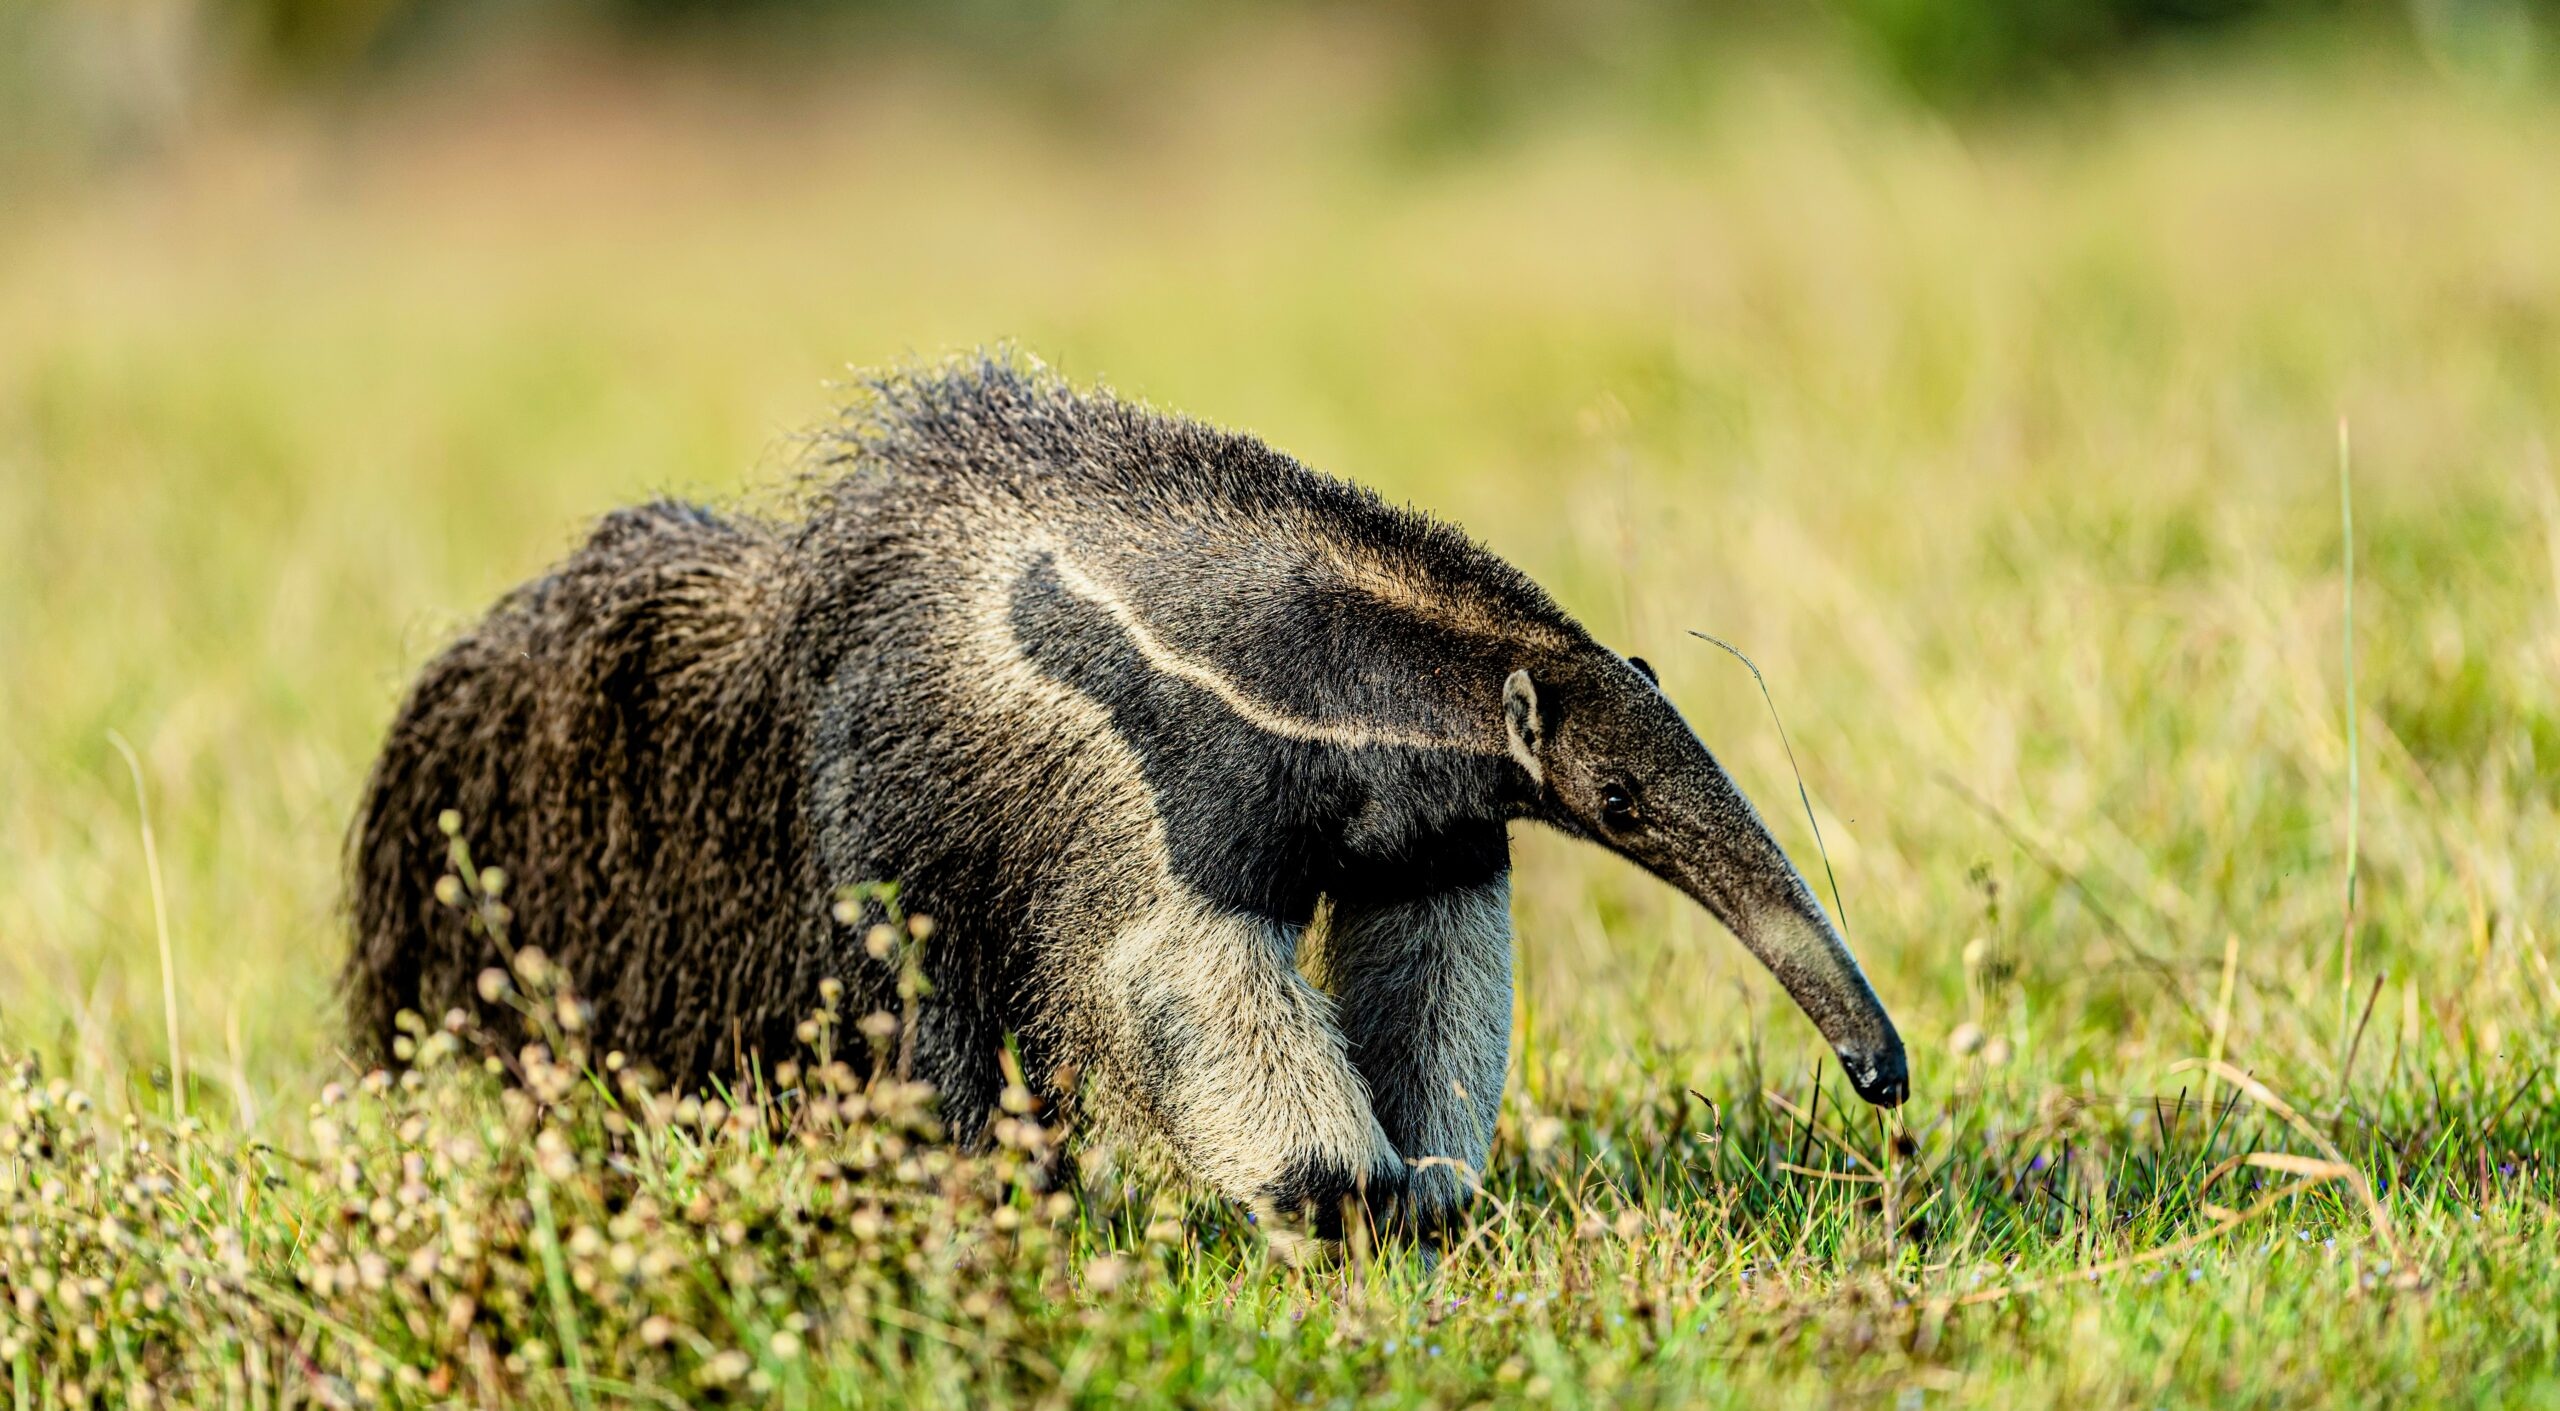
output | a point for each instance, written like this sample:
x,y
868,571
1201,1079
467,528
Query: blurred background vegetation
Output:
x,y
111,77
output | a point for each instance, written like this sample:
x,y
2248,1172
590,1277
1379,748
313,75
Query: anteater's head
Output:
x,y
1609,758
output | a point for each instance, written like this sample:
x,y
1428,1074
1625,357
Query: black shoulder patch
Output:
x,y
1255,821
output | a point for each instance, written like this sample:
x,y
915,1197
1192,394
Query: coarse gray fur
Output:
x,y
1201,762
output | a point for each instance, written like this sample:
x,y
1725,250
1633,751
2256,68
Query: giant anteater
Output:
x,y
1201,761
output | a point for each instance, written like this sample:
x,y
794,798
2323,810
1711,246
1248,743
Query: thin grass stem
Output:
x,y
2347,638
159,927
1837,908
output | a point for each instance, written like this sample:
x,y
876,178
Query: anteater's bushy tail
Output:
x,y
621,738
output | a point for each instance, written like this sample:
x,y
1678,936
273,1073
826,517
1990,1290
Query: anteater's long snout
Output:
x,y
1800,947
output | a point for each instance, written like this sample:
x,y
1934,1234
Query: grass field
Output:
x,y
2012,455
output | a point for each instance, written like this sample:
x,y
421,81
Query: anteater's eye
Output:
x,y
1618,807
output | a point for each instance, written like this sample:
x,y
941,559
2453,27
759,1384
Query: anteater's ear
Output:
x,y
1526,733
1640,664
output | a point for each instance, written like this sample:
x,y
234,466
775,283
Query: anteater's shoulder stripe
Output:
x,y
1164,657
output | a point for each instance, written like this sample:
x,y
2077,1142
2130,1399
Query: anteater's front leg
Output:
x,y
1237,1060
1424,992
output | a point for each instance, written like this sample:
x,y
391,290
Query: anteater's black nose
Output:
x,y
1882,1077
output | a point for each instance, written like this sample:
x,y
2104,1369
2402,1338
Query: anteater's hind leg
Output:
x,y
956,1049
1424,993
1235,1058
